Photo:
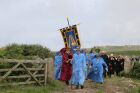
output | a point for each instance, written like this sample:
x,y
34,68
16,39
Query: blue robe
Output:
x,y
92,56
78,73
57,66
96,72
87,63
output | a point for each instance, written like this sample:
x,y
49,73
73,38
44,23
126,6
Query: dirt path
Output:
x,y
113,85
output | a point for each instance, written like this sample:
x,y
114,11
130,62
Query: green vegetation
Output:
x,y
128,50
134,90
120,48
52,86
99,91
16,51
128,53
135,72
122,85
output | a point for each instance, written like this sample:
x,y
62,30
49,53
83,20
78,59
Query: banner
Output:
x,y
70,36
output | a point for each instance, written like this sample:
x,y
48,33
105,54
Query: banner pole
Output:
x,y
68,21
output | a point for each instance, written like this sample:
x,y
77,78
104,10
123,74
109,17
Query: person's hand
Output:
x,y
106,69
67,61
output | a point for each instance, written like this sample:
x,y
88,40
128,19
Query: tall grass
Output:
x,y
52,86
134,90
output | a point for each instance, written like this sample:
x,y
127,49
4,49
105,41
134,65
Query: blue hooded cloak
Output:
x,y
57,65
96,72
78,73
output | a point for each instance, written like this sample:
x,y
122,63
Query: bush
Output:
x,y
135,72
2,52
36,50
4,65
16,51
134,90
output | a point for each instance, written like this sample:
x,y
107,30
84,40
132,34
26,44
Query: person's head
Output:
x,y
78,50
63,50
59,53
92,50
84,50
68,50
97,55
111,55
103,52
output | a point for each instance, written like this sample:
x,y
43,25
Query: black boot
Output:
x,y
67,82
82,86
101,83
77,87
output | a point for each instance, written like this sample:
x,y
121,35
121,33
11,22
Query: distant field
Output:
x,y
121,48
130,50
129,53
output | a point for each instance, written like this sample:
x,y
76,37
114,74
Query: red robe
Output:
x,y
66,70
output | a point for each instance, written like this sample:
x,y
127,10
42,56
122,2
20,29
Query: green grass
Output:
x,y
123,84
52,86
134,90
99,91
129,53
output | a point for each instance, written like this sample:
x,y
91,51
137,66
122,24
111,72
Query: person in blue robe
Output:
x,y
78,73
57,65
56,54
96,72
87,61
92,54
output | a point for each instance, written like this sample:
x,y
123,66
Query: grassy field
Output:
x,y
52,86
121,48
128,53
129,50
122,85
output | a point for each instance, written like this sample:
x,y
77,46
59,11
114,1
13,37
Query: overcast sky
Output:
x,y
102,22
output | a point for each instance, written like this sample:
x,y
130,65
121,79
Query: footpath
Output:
x,y
111,85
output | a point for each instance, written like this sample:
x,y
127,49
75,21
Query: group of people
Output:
x,y
135,59
75,66
115,64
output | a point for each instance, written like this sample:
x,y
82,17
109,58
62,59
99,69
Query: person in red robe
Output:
x,y
66,70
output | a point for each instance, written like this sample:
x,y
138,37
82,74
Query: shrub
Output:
x,y
2,52
36,50
135,71
16,51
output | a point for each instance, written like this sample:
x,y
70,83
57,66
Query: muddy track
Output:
x,y
113,85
